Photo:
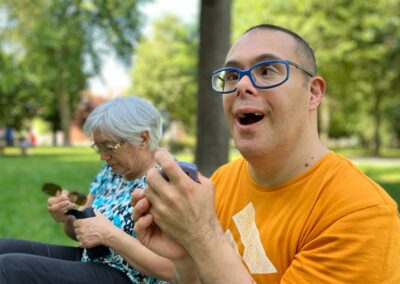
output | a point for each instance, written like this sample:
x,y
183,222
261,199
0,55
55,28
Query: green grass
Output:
x,y
23,212
364,152
23,206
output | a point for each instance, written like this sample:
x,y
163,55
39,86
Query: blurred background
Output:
x,y
59,59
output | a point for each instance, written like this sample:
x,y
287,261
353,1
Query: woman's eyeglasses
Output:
x,y
75,197
107,148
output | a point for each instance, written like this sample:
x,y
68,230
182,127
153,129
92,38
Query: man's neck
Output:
x,y
280,166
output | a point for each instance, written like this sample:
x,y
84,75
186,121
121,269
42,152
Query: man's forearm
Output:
x,y
185,272
217,262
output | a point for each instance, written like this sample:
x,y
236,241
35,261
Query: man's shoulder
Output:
x,y
340,177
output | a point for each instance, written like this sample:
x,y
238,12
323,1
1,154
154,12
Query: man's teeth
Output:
x,y
243,115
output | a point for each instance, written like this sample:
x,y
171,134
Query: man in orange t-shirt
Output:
x,y
289,211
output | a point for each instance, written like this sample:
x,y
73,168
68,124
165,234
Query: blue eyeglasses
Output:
x,y
263,75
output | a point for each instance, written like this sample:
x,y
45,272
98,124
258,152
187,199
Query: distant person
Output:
x,y
10,136
27,141
126,131
288,211
32,137
24,144
3,141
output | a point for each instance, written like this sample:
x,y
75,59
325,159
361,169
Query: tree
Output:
x,y
165,69
60,42
357,50
212,131
15,109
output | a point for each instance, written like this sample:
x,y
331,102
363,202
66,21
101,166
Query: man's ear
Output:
x,y
145,139
317,91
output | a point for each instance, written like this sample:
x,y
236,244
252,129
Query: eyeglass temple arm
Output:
x,y
302,69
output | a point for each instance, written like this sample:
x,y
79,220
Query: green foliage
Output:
x,y
357,50
165,69
15,109
56,46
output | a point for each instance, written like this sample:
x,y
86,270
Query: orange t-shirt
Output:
x,y
331,224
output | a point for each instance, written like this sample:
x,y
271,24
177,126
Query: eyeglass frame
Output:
x,y
112,149
247,72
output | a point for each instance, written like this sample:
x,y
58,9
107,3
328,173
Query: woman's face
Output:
x,y
124,158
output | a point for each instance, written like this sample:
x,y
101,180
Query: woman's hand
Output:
x,y
94,231
58,205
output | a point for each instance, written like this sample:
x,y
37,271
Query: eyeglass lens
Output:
x,y
263,74
107,148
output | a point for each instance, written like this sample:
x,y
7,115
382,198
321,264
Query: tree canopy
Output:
x,y
357,48
165,69
59,45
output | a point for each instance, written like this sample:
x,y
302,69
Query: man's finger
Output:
x,y
140,208
169,166
137,194
155,183
142,225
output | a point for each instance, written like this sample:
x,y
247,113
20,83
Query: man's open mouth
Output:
x,y
250,118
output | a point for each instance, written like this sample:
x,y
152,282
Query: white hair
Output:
x,y
125,118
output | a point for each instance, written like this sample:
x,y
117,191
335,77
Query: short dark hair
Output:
x,y
303,48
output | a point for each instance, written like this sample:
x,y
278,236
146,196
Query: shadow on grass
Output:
x,y
393,189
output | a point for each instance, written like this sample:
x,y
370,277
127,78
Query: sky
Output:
x,y
114,77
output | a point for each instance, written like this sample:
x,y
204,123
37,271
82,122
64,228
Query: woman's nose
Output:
x,y
104,155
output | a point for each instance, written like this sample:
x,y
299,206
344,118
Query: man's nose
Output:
x,y
245,86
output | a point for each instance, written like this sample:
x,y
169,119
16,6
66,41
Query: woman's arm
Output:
x,y
99,230
138,256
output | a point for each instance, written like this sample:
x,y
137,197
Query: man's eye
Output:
x,y
231,76
109,147
267,70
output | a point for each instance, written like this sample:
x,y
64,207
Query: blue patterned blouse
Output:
x,y
112,198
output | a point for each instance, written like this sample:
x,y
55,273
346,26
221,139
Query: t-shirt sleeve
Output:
x,y
361,247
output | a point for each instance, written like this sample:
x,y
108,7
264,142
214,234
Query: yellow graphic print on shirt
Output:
x,y
254,254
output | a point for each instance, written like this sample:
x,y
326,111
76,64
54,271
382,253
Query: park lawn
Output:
x,y
23,212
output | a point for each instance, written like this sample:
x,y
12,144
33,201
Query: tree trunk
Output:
x,y
64,108
212,131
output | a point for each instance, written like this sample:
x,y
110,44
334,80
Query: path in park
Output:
x,y
376,160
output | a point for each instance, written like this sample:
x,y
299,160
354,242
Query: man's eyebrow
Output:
x,y
232,63
265,56
261,57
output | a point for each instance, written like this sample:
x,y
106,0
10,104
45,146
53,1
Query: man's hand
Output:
x,y
178,216
149,234
58,205
180,207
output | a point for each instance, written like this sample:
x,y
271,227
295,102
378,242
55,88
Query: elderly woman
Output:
x,y
125,131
